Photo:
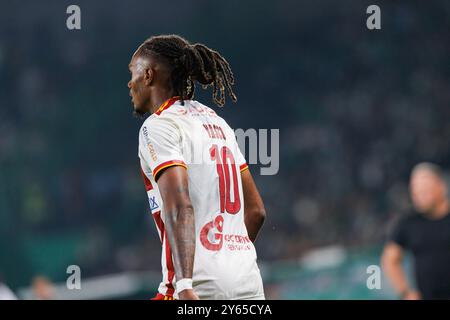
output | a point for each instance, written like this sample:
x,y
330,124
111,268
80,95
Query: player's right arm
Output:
x,y
160,147
180,223
391,261
254,211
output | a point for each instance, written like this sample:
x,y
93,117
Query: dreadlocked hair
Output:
x,y
191,63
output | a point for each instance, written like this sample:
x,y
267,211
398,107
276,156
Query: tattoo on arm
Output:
x,y
180,222
181,236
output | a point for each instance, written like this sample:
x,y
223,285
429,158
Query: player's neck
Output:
x,y
159,98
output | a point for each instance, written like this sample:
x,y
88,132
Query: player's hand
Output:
x,y
188,294
412,295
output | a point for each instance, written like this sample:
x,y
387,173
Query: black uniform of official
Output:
x,y
429,242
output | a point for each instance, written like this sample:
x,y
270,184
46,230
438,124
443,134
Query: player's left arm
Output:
x,y
180,223
254,211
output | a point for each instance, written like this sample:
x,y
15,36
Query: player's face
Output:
x,y
426,190
139,92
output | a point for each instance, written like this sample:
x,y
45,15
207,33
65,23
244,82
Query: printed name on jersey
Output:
x,y
214,131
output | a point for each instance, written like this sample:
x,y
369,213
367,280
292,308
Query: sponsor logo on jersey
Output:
x,y
153,204
150,147
212,238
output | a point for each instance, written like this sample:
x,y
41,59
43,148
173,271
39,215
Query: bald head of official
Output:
x,y
428,187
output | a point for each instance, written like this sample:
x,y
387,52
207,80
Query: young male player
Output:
x,y
202,196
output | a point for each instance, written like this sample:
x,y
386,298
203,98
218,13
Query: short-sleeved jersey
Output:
x,y
195,137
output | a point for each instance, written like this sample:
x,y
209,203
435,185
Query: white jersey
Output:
x,y
6,293
195,137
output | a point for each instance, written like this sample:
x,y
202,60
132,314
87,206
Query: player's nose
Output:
x,y
129,84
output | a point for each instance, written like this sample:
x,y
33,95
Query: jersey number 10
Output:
x,y
224,162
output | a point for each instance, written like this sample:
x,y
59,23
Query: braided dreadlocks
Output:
x,y
192,63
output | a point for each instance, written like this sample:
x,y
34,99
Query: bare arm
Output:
x,y
392,264
179,222
254,211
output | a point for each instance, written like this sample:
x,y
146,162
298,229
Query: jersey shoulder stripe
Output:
x,y
167,164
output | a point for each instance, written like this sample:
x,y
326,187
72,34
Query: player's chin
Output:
x,y
138,113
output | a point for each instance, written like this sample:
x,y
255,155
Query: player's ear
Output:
x,y
149,74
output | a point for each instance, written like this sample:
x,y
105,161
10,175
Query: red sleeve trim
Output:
x,y
243,167
167,164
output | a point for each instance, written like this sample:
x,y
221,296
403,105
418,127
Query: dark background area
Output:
x,y
356,110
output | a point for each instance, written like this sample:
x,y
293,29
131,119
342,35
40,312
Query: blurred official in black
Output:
x,y
426,234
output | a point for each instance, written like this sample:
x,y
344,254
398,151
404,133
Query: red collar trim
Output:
x,y
167,104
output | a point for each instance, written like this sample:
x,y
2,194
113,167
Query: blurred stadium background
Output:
x,y
356,110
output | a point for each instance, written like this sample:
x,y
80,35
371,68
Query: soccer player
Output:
x,y
426,234
202,196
